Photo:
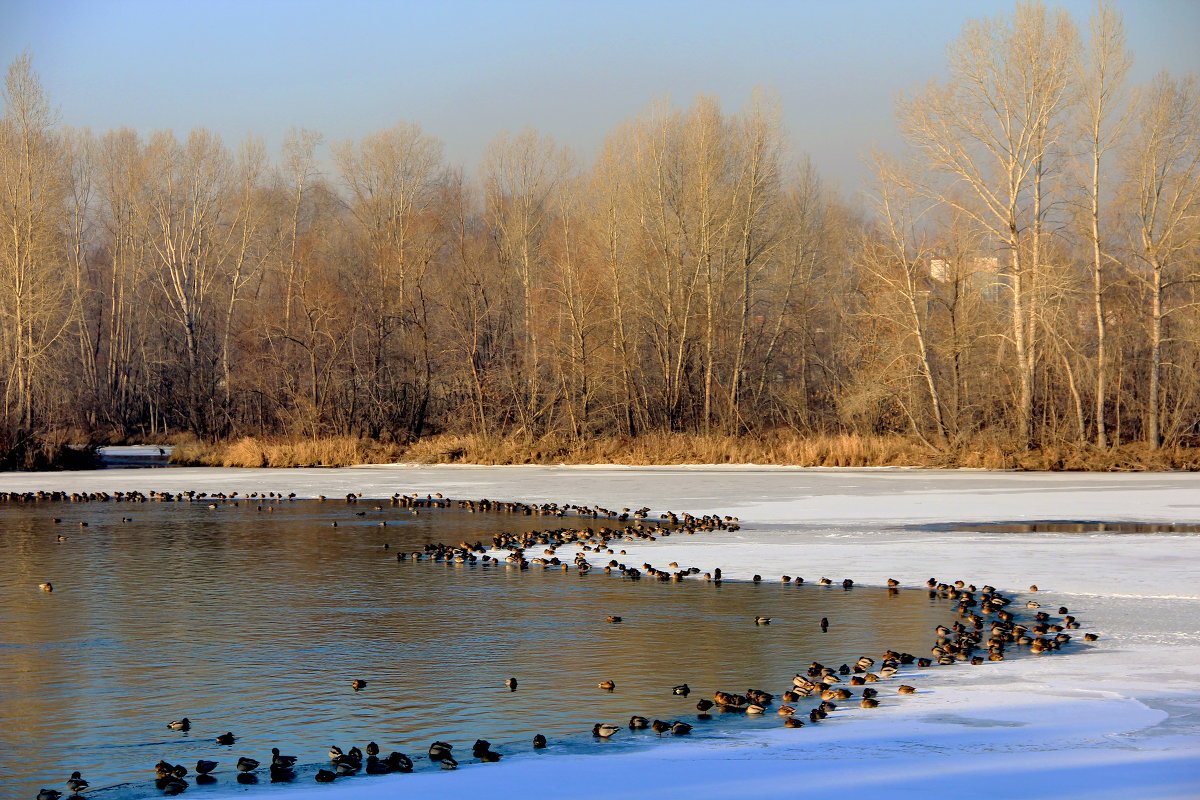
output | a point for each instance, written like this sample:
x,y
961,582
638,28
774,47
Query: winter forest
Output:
x,y
1023,273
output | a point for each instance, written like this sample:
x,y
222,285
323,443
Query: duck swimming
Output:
x,y
180,724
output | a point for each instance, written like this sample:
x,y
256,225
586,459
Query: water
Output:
x,y
256,621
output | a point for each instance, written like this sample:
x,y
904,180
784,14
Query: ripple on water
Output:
x,y
257,623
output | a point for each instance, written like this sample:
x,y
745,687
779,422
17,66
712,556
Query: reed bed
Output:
x,y
774,448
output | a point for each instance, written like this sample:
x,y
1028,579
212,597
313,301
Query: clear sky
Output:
x,y
468,69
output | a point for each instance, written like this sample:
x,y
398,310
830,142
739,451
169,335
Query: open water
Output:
x,y
255,618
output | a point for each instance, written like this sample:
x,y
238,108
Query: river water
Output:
x,y
255,618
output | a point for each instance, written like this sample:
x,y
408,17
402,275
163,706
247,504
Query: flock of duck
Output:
x,y
986,626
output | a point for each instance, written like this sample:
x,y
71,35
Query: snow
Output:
x,y
1119,718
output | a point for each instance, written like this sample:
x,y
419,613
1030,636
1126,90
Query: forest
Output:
x,y
1021,277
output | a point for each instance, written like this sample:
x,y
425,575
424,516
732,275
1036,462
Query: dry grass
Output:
x,y
781,447
252,452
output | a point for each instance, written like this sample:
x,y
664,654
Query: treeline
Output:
x,y
1026,273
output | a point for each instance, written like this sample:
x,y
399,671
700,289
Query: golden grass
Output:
x,y
777,448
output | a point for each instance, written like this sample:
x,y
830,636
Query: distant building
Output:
x,y
983,275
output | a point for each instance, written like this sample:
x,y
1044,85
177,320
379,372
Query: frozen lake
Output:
x,y
1117,719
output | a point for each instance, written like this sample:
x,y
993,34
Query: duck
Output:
x,y
226,738
377,767
335,753
682,690
603,730
46,587
906,689
511,683
439,751
607,686
680,728
539,741
358,683
184,724
246,764
869,702
204,767
638,723
280,761
76,783
612,618
354,754
660,727
762,620
399,762
325,776
372,749
703,706
49,794
792,722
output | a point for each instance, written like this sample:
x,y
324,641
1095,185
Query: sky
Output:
x,y
467,70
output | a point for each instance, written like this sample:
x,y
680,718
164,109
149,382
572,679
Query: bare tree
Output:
x,y
1162,163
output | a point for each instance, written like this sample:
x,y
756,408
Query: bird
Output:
x,y
358,683
660,727
49,794
377,767
906,689
680,728
762,620
76,783
226,738
792,722
638,723
282,762
372,749
246,764
439,751
604,730
399,762
184,724
682,689
204,767
824,624
607,686
511,683
539,742
325,776
46,587
612,618
335,753
703,706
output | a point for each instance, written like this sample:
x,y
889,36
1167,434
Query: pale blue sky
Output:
x,y
468,69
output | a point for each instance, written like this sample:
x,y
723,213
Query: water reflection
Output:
x,y
256,618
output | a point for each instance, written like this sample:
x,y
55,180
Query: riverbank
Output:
x,y
781,448
1120,718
